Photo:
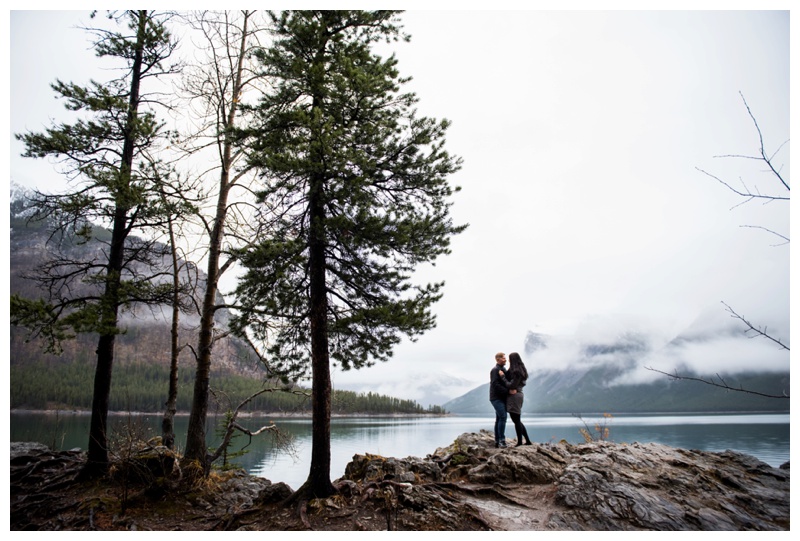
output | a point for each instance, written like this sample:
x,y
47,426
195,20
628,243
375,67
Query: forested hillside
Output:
x,y
141,387
40,380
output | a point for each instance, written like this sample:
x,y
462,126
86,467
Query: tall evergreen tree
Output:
x,y
355,194
105,155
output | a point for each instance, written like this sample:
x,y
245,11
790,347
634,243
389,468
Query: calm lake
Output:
x,y
765,436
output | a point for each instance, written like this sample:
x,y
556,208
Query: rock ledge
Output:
x,y
468,485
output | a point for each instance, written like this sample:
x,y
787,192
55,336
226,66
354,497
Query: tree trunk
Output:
x,y
171,406
97,459
319,477
97,456
196,433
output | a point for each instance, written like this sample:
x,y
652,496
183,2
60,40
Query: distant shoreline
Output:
x,y
282,414
307,415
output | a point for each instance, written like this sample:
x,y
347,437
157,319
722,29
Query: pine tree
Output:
x,y
355,194
105,154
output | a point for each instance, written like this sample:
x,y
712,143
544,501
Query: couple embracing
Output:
x,y
505,394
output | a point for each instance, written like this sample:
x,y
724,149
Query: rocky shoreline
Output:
x,y
468,485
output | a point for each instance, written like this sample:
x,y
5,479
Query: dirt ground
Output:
x,y
45,495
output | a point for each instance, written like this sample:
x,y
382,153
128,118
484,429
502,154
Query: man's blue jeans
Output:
x,y
500,415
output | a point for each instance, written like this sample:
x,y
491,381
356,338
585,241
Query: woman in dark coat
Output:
x,y
516,377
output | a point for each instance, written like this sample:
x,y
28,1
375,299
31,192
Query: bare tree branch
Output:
x,y
746,193
749,194
283,439
757,330
785,238
721,383
767,160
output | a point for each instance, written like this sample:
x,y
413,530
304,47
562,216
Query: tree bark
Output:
x,y
97,459
319,477
196,449
196,432
171,406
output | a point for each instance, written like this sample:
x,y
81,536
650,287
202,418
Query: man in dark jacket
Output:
x,y
498,392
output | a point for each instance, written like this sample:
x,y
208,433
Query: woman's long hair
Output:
x,y
516,370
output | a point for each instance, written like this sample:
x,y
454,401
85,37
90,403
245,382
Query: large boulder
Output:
x,y
378,468
611,486
593,486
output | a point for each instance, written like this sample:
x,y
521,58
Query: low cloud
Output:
x,y
706,344
714,343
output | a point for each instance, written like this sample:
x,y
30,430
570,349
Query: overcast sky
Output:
x,y
581,134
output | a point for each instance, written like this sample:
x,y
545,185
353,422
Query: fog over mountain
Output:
x,y
618,373
715,342
610,352
614,365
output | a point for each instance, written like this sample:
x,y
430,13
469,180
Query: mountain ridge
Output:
x,y
574,391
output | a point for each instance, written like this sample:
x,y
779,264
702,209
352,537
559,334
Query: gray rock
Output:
x,y
526,465
274,493
599,485
378,468
654,487
27,448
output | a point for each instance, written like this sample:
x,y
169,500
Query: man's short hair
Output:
x,y
499,355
